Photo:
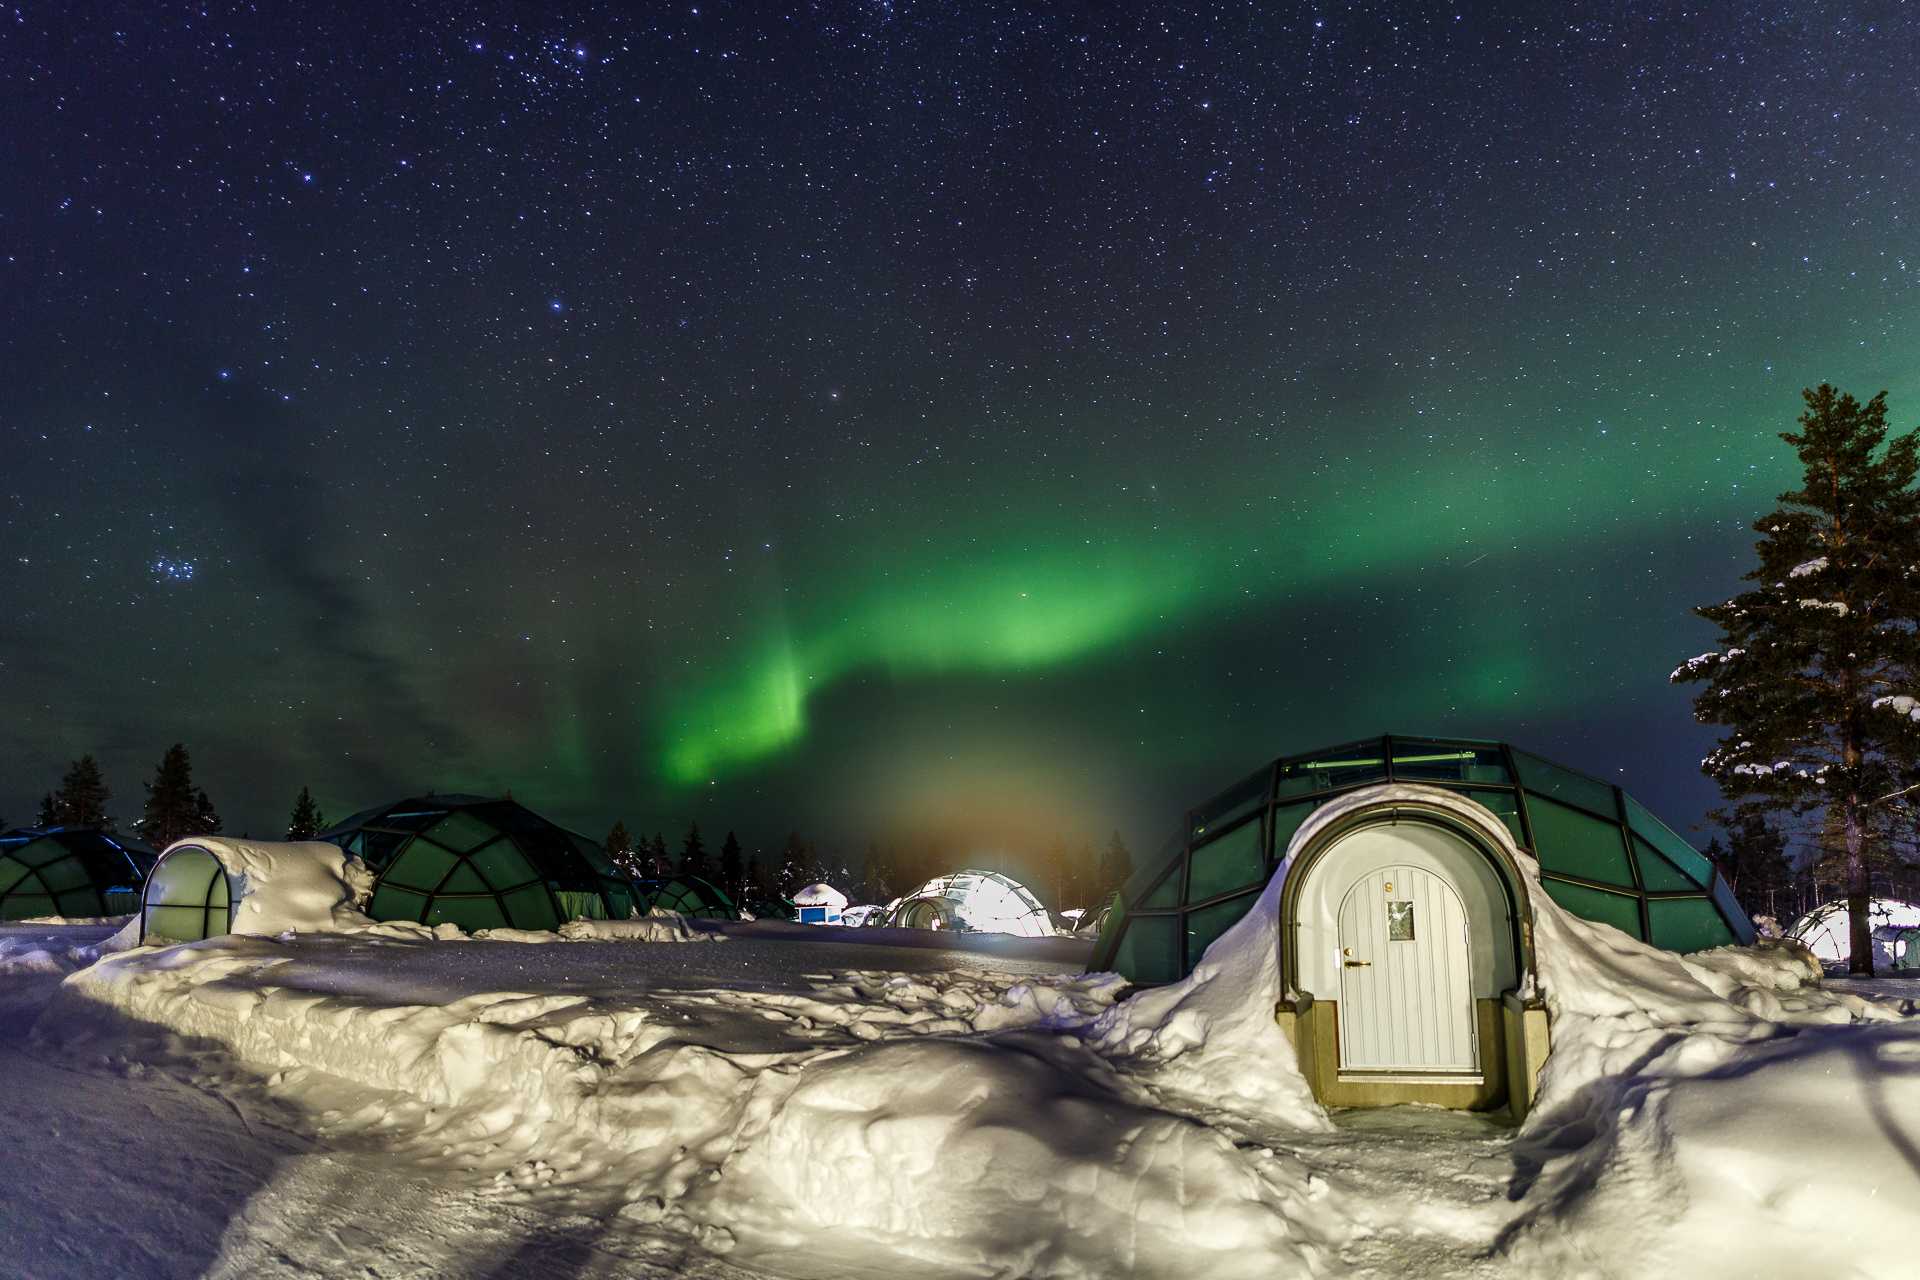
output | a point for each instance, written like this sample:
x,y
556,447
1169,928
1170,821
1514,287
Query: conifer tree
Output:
x,y
693,853
756,887
1814,676
620,851
658,867
174,807
83,795
1754,861
1116,867
49,815
306,820
732,874
795,857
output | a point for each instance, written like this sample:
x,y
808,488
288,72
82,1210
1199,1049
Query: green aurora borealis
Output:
x,y
992,425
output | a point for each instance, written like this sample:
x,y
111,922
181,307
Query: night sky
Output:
x,y
883,419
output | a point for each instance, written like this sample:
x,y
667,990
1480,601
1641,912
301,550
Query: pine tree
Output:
x,y
305,821
173,807
620,851
732,874
693,853
658,867
1117,866
795,857
756,887
206,821
83,795
49,815
1814,676
1754,860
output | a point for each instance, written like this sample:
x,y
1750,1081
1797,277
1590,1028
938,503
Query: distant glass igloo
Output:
x,y
481,864
976,901
70,871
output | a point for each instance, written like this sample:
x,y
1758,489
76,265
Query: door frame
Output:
x,y
1390,804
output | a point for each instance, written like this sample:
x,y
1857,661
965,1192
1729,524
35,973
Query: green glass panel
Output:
x,y
11,874
1165,894
1687,924
1570,841
20,906
1657,873
1415,761
460,832
122,902
1232,804
1616,909
1286,821
1507,805
217,889
390,903
531,908
1232,861
576,904
469,913
423,866
503,866
177,924
63,874
1208,923
80,902
38,853
465,880
1149,950
1693,864
1565,785
622,898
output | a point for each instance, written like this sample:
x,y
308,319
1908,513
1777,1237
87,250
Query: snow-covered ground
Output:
x,y
808,1102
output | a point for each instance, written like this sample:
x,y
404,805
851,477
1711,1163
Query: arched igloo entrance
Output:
x,y
189,896
1406,945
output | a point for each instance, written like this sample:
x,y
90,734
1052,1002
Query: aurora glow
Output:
x,y
960,423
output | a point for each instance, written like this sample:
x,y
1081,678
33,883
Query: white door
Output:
x,y
1406,994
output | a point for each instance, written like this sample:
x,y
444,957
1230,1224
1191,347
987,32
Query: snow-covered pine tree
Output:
x,y
306,820
619,847
83,795
1814,676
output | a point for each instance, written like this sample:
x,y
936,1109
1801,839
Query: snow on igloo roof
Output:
x,y
984,901
820,895
1827,929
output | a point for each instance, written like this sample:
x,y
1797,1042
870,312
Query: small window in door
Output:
x,y
1399,922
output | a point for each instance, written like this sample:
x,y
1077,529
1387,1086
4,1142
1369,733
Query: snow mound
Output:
x,y
658,925
1018,1157
1209,1043
1716,1114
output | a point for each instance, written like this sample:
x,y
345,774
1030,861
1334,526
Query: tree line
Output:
x,y
173,806
1067,876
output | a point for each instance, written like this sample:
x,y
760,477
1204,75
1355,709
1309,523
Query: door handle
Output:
x,y
1357,964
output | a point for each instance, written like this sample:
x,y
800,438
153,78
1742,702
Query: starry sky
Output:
x,y
992,421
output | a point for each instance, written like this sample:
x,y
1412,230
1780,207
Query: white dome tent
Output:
x,y
1827,931
820,904
974,902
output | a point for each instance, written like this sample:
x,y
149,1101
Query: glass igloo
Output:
x,y
70,871
1602,854
481,864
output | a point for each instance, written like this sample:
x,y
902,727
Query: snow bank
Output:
x,y
1210,1042
658,925
1719,1114
51,952
1017,1157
